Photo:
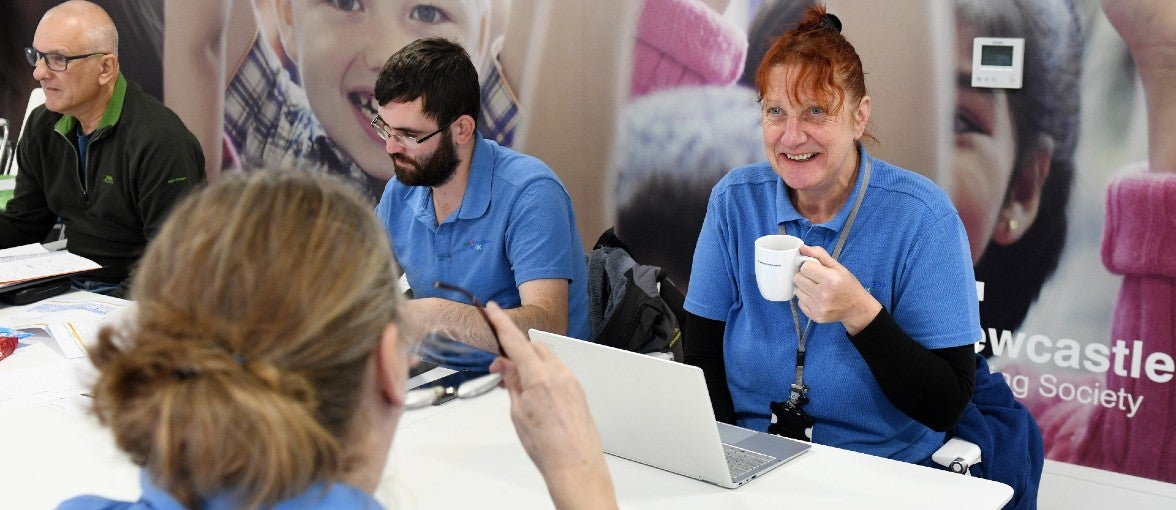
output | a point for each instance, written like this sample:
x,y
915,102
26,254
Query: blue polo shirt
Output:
x,y
515,224
907,247
320,495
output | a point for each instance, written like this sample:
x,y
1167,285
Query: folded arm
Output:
x,y
544,307
932,386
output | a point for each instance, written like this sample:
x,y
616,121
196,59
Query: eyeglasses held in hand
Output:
x,y
408,142
56,61
481,309
478,386
443,390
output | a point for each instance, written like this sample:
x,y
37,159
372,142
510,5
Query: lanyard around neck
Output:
x,y
799,389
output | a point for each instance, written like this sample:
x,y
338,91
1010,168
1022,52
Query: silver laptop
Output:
x,y
657,412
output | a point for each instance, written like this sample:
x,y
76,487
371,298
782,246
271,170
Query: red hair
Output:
x,y
827,65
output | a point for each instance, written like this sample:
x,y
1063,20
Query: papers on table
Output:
x,y
61,384
34,262
73,337
22,251
50,368
71,320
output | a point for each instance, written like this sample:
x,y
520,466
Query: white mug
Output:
x,y
777,259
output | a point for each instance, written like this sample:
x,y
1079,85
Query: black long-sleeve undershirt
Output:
x,y
932,386
704,349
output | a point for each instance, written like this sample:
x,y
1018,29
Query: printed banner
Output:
x,y
642,106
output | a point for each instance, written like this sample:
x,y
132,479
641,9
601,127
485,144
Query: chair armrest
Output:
x,y
957,455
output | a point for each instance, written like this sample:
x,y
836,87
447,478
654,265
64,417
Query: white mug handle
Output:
x,y
801,259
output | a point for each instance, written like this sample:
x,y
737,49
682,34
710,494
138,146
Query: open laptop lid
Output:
x,y
654,411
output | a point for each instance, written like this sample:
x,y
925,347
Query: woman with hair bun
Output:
x,y
264,366
874,353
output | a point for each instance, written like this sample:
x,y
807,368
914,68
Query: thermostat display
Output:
x,y
997,62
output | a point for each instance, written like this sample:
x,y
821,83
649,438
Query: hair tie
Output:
x,y
831,22
239,358
184,373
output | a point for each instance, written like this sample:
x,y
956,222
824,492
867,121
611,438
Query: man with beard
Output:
x,y
465,211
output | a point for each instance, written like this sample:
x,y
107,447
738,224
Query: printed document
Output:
x,y
34,262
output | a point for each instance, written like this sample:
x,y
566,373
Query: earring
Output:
x,y
1012,225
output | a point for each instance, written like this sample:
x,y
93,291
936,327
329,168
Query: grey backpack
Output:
x,y
631,306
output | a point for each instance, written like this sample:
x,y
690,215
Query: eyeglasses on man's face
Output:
x,y
56,61
408,142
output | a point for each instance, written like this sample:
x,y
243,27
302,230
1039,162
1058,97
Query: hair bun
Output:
x,y
831,22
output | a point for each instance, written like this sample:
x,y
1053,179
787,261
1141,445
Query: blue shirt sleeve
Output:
x,y
713,292
935,301
539,240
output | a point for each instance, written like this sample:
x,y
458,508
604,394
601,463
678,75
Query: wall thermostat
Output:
x,y
998,62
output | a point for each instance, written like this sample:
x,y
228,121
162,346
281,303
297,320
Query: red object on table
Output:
x,y
7,346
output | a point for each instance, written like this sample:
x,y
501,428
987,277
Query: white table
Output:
x,y
465,454
461,454
50,448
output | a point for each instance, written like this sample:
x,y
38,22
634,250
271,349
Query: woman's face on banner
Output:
x,y
339,47
985,150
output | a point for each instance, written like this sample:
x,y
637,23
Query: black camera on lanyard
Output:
x,y
789,418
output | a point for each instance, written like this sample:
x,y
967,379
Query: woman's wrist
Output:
x,y
1161,118
862,314
587,486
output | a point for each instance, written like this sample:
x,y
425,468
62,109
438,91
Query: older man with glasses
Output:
x,y
101,156
488,222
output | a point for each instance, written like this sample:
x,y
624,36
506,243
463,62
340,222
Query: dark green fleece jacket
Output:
x,y
141,160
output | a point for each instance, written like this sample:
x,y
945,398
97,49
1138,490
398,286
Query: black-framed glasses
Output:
x,y
470,387
481,309
56,61
408,142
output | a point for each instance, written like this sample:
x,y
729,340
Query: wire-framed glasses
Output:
x,y
56,61
408,142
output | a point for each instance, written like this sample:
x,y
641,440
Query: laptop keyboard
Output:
x,y
740,462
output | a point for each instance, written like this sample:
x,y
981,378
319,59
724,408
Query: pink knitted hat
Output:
x,y
685,42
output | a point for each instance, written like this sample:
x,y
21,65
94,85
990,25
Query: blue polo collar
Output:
x,y
475,201
319,495
786,212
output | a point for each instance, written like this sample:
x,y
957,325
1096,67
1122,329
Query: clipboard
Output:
x,y
32,291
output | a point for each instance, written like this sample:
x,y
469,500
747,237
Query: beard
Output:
x,y
437,169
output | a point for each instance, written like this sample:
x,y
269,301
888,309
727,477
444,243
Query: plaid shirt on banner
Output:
x,y
500,106
269,122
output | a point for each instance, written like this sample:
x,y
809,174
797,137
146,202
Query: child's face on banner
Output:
x,y
339,47
985,151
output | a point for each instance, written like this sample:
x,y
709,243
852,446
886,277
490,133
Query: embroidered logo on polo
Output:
x,y
474,244
108,179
